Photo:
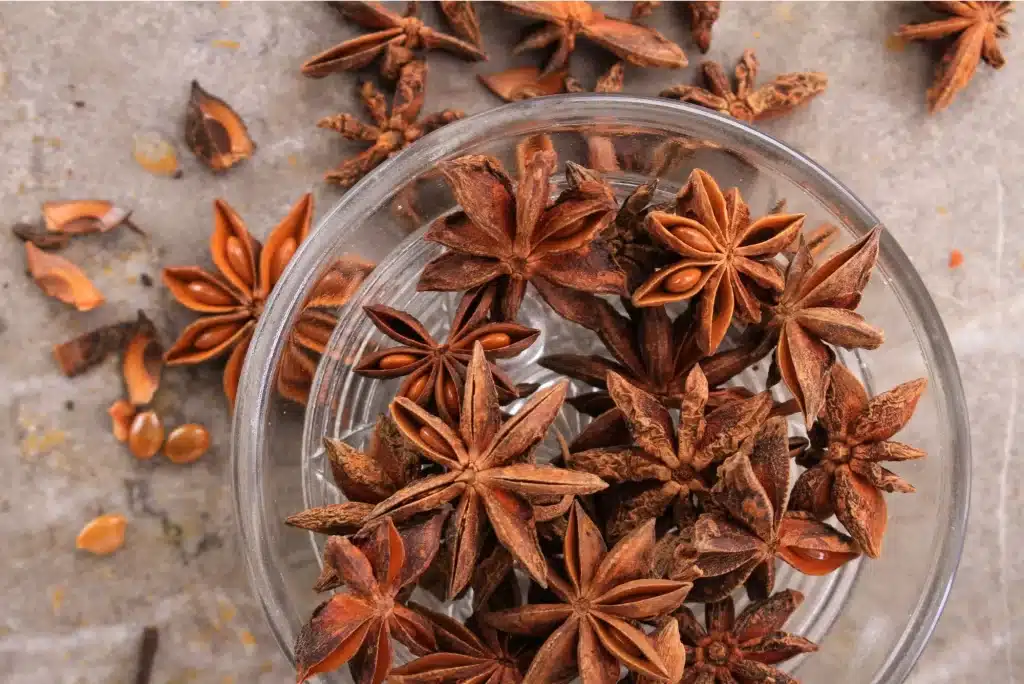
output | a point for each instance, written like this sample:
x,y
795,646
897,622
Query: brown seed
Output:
x,y
214,336
281,258
417,387
682,280
187,443
432,438
393,361
495,340
808,554
121,414
207,294
146,435
451,398
239,260
103,535
695,239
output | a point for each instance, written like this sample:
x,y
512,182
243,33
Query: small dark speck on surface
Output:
x,y
146,280
80,104
69,405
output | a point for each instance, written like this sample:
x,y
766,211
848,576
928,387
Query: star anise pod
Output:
x,y
726,260
603,593
388,133
665,463
978,26
394,36
741,649
356,625
461,16
601,153
628,240
564,21
523,83
747,103
703,15
848,444
489,471
748,524
234,302
670,647
467,654
435,370
512,237
816,310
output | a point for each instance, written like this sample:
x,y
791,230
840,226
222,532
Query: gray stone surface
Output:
x,y
940,183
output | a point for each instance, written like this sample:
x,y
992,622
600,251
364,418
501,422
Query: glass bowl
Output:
x,y
877,614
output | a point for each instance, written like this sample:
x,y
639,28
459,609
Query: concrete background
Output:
x,y
952,181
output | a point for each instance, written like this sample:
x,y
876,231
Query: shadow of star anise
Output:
x,y
356,625
747,524
512,237
601,595
848,444
232,302
742,649
389,134
489,471
436,370
667,462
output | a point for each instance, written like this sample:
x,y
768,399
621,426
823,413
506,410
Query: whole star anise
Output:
x,y
848,444
726,260
356,625
747,103
512,237
748,526
489,471
388,133
741,649
234,302
564,21
395,37
816,310
603,592
978,26
435,370
665,462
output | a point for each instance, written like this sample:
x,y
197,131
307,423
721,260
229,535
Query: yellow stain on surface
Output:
x,y
784,11
247,639
36,444
229,44
293,160
757,34
895,44
266,667
56,599
942,210
225,3
226,613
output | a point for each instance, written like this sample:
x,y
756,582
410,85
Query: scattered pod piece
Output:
x,y
142,365
40,237
155,154
461,16
187,443
145,435
214,132
122,414
61,279
523,83
81,353
84,217
103,535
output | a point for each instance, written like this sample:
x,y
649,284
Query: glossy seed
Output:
x,y
393,361
187,443
432,438
121,414
451,398
205,293
694,239
239,260
215,336
682,280
809,554
102,535
495,340
145,435
417,387
281,258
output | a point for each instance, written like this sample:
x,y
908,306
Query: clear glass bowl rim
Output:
x,y
257,383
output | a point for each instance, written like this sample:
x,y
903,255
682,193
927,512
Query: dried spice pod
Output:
x,y
523,83
343,518
187,443
83,217
81,353
102,535
61,279
142,364
703,15
461,16
747,102
146,435
40,237
214,132
122,413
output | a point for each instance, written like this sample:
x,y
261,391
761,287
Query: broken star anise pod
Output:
x,y
703,15
389,133
816,310
664,464
747,526
848,444
214,132
600,596
727,258
435,370
512,237
355,625
978,26
233,301
742,649
564,21
489,472
523,83
747,103
394,36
